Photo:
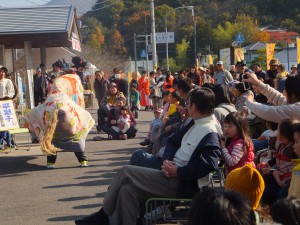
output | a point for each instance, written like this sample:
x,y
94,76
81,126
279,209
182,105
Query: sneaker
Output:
x,y
159,213
123,137
84,163
2,147
145,142
110,137
50,165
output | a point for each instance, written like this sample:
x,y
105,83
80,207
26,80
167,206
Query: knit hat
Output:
x,y
247,181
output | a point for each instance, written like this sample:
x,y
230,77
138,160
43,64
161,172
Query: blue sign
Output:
x,y
143,54
239,38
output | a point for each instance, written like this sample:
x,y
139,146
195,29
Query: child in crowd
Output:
x,y
237,147
123,122
154,122
277,171
174,102
262,141
134,100
294,189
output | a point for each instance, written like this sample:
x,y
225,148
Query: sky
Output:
x,y
20,3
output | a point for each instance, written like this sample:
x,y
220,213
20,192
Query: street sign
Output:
x,y
239,38
143,54
161,37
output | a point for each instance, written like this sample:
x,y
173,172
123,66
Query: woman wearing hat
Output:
x,y
111,95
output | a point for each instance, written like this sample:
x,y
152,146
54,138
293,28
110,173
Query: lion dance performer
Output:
x,y
61,123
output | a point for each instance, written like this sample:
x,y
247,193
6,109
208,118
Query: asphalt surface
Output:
x,y
31,194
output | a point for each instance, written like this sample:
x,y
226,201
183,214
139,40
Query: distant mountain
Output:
x,y
81,6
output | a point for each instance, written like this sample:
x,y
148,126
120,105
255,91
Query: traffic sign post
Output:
x,y
239,38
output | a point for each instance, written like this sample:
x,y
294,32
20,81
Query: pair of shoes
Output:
x,y
84,163
50,165
145,142
123,137
159,213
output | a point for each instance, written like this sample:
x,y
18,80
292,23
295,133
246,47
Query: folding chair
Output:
x,y
182,205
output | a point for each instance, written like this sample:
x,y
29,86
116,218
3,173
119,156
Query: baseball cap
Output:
x,y
158,110
294,66
219,63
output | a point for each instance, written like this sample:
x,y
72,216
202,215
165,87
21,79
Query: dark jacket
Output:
x,y
100,88
203,161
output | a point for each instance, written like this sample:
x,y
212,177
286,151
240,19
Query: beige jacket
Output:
x,y
281,109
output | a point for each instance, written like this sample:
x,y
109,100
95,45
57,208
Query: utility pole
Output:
x,y
135,54
153,34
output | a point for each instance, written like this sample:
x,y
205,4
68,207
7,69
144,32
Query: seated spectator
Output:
x,y
123,123
294,189
174,102
212,207
108,100
156,120
247,181
286,211
223,102
108,116
237,147
277,175
262,141
181,167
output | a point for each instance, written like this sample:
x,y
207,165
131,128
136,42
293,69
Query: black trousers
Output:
x,y
79,155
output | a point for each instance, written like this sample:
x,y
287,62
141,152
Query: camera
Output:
x,y
245,76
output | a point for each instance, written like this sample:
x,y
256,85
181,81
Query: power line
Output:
x,y
105,6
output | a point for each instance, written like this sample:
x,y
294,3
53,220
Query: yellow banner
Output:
x,y
239,54
210,60
270,48
197,63
298,50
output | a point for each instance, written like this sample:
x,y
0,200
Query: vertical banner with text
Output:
x,y
270,48
210,60
238,54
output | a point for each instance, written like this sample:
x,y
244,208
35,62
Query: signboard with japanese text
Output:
x,y
8,118
76,44
161,37
225,56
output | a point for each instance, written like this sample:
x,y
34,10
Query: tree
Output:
x,y
116,43
181,50
96,39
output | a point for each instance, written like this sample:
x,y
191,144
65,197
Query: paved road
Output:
x,y
30,194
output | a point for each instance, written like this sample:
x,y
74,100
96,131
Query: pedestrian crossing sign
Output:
x,y
239,38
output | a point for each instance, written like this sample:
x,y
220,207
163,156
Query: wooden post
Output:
x,y
29,75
